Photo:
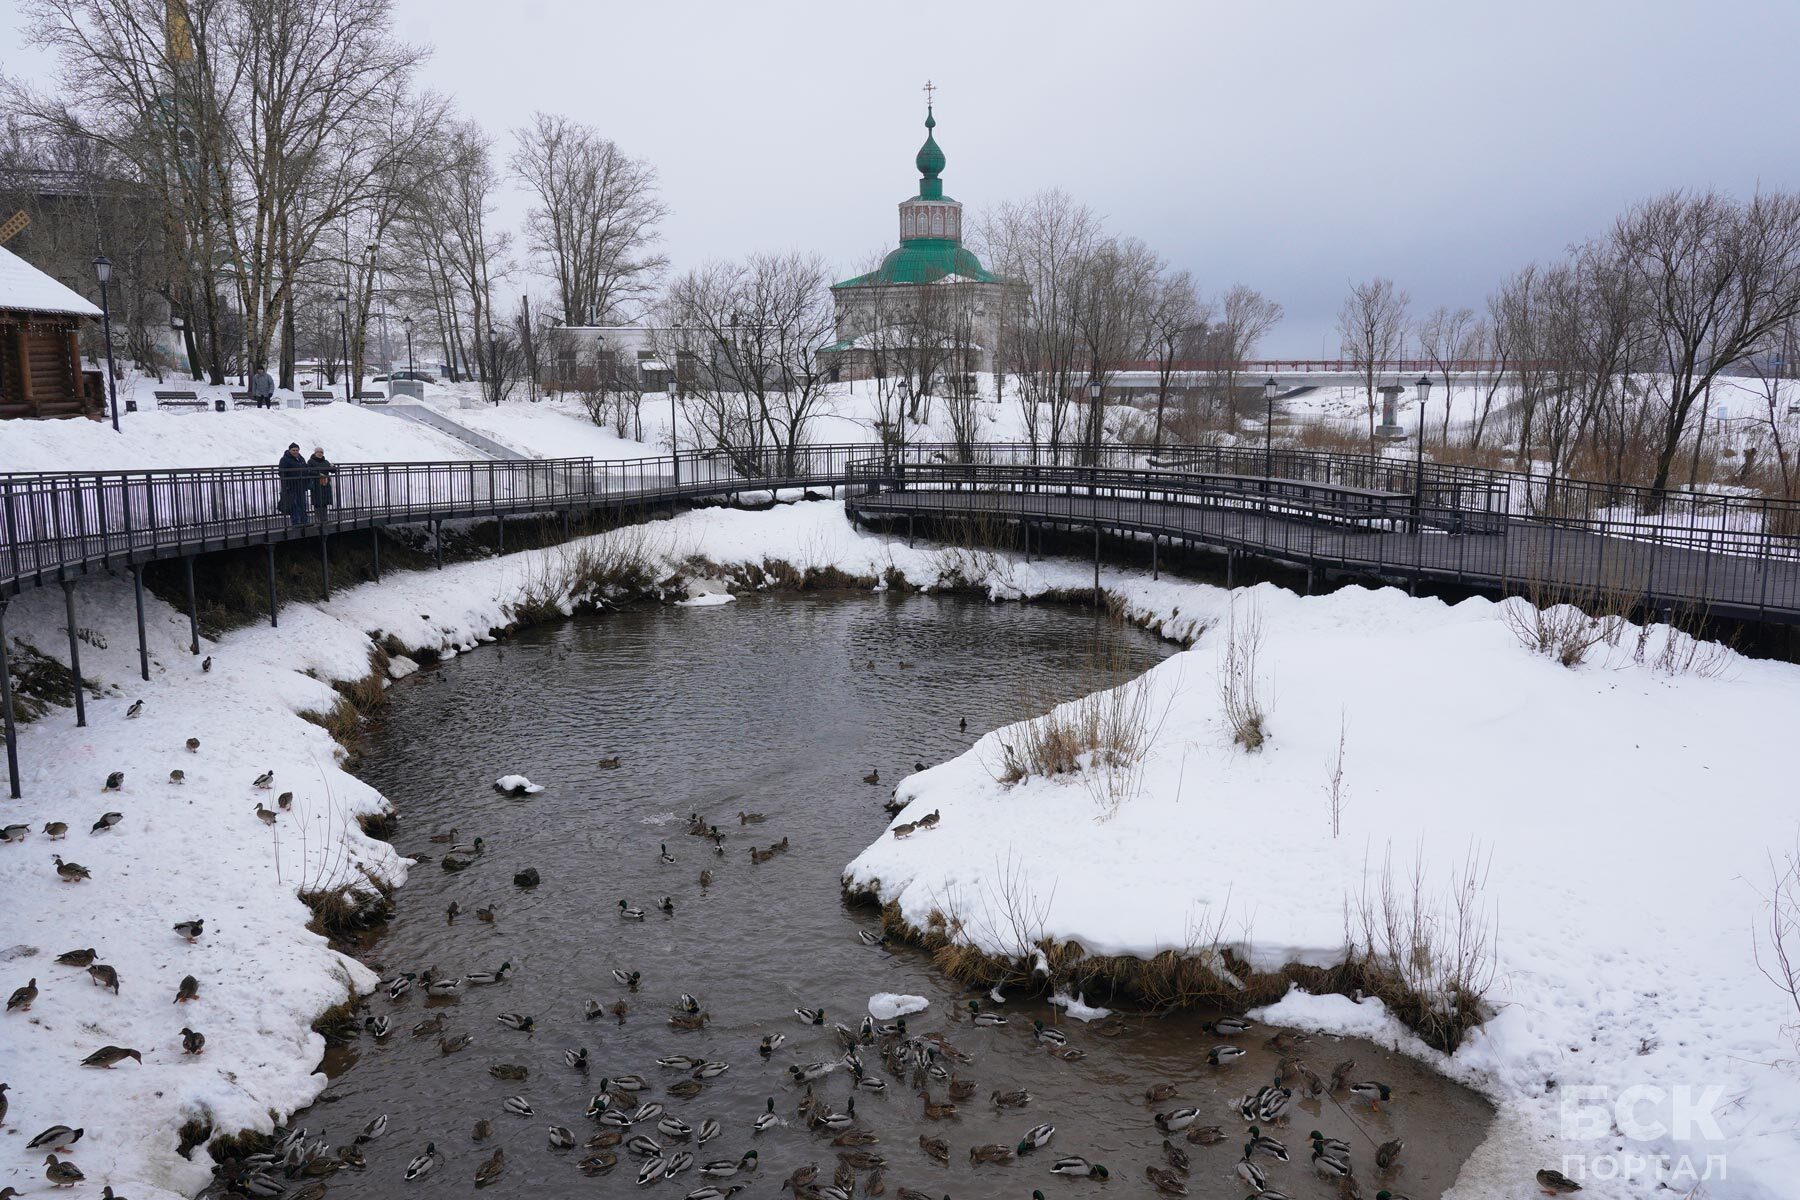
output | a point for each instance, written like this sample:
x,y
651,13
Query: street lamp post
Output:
x,y
343,304
1424,386
1269,390
103,270
674,449
407,321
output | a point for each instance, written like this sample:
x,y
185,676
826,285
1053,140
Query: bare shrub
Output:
x,y
1683,651
1777,944
1240,683
593,571
1335,790
1428,957
1565,623
1102,737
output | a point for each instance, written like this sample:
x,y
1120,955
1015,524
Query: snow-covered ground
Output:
x,y
235,438
1625,816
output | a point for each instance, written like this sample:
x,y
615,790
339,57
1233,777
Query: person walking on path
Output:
x,y
293,484
262,387
319,471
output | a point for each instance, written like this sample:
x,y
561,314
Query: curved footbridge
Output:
x,y
1385,518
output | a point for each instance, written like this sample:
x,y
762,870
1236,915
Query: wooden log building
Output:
x,y
40,346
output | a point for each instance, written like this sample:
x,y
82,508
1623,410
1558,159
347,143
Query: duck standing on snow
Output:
x,y
192,1041
14,833
191,930
1555,1183
108,1056
104,976
114,782
56,830
70,872
62,1174
107,821
22,998
264,781
137,706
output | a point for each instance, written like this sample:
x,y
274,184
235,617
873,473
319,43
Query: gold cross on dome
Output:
x,y
930,87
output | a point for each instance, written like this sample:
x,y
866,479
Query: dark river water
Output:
x,y
780,706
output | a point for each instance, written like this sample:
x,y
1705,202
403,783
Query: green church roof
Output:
x,y
924,260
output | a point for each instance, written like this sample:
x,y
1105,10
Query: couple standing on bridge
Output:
x,y
304,478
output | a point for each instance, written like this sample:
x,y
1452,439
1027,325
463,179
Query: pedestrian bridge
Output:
x,y
1367,516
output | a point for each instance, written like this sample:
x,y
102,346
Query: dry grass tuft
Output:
x,y
1428,957
1240,682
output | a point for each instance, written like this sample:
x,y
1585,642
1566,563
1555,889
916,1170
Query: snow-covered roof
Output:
x,y
25,288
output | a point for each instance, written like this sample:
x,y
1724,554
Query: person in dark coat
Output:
x,y
293,484
318,478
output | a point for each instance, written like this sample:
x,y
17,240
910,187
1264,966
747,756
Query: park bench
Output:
x,y
315,398
372,397
179,400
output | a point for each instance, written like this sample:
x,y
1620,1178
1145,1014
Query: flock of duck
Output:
x,y
639,1127
59,1138
632,1121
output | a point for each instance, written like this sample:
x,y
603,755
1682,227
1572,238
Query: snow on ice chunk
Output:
x,y
706,600
885,1006
1075,1007
516,785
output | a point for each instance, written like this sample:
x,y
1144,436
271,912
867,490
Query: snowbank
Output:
x,y
1626,817
235,438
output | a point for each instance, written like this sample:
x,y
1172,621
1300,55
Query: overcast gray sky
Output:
x,y
1293,146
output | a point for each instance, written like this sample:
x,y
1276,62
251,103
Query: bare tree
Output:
x,y
595,219
1111,294
1444,339
756,329
1245,317
1175,321
1040,244
1718,278
1371,329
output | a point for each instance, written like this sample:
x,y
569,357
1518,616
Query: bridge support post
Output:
x,y
68,587
500,520
909,530
375,545
1096,564
325,559
1230,569
6,709
187,571
137,587
437,542
274,620
1155,566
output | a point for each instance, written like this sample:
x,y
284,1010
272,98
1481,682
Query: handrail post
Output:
x,y
6,709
